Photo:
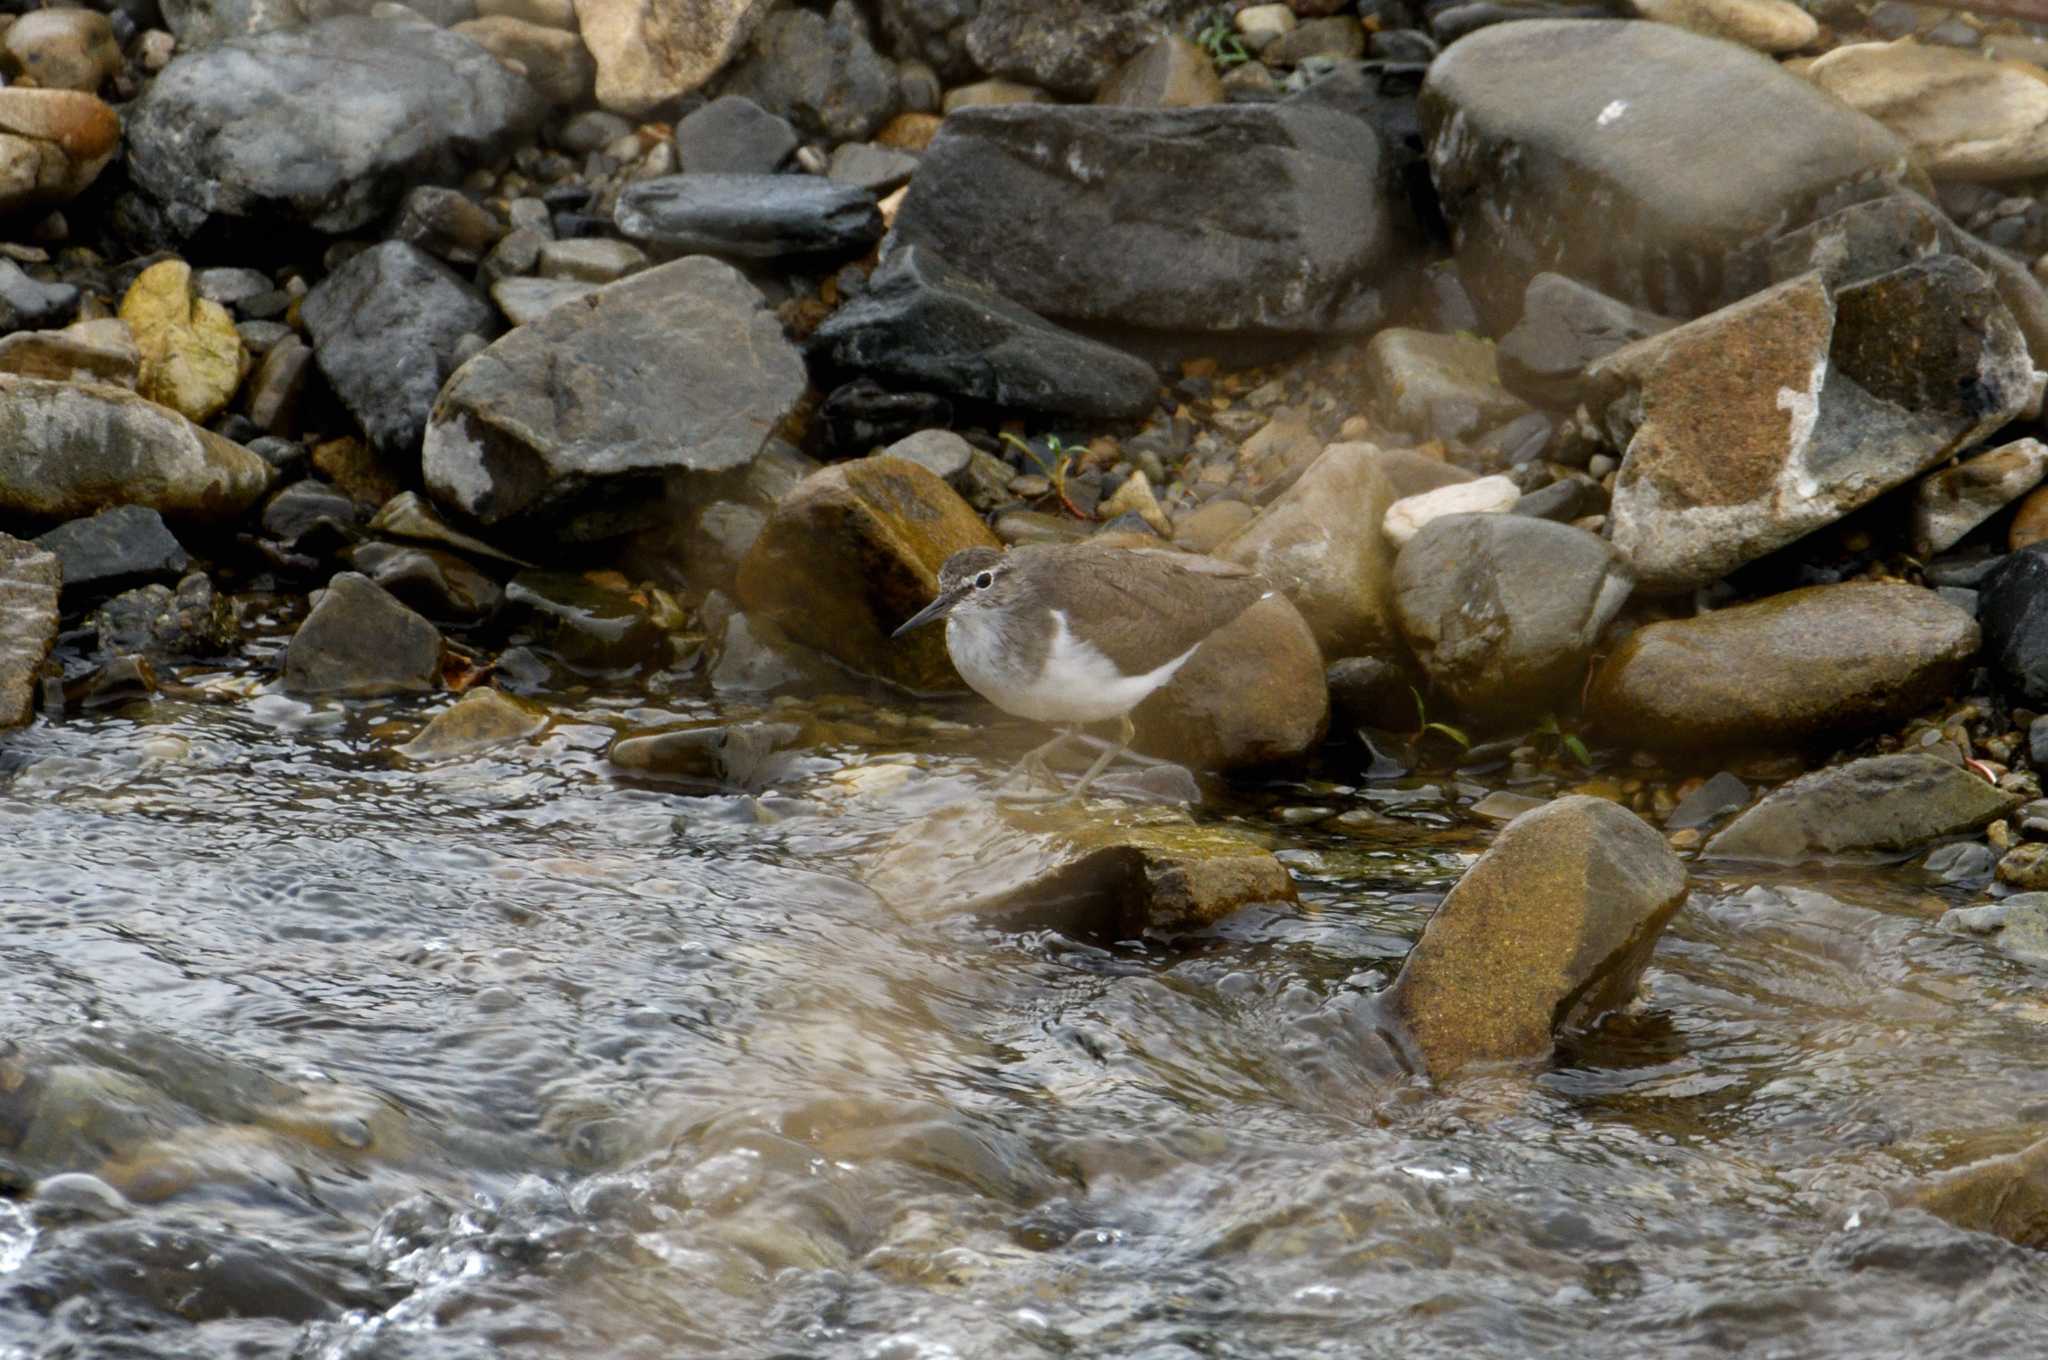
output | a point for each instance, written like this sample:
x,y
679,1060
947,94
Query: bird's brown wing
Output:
x,y
1157,603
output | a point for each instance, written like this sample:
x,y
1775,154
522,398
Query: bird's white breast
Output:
x,y
1077,684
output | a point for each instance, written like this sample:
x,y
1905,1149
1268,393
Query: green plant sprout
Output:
x,y
1057,461
1549,730
1218,37
1423,726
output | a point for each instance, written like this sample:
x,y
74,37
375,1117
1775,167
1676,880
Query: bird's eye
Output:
x,y
985,580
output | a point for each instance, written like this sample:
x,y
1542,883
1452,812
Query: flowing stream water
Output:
x,y
512,1056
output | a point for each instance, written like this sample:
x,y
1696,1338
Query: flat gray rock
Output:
x,y
1878,806
269,126
577,418
755,217
1249,219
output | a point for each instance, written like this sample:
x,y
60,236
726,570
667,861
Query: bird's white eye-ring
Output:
x,y
985,580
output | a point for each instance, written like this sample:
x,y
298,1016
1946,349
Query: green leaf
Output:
x,y
1453,733
1578,750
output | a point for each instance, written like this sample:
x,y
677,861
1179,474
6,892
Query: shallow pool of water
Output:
x,y
512,1056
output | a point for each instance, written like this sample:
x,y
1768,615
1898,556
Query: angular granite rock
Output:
x,y
1073,869
1880,805
1146,220
1503,611
261,127
29,582
1751,427
1550,929
578,420
1812,663
1643,160
850,554
70,449
385,328
923,324
1321,545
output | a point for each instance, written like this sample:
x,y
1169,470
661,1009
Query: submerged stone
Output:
x,y
479,721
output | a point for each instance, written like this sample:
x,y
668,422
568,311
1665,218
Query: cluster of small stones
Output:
x,y
676,342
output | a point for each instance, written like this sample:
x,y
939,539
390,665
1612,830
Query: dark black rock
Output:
x,y
268,127
1564,500
2014,615
288,456
30,304
1722,794
923,324
584,626
1405,45
750,216
311,508
876,169
1968,569
863,415
1370,692
734,136
385,327
447,223
1249,220
1454,22
438,584
123,544
359,642
2037,742
1565,326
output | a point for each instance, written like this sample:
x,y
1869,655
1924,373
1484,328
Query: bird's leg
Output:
x,y
1033,764
1125,731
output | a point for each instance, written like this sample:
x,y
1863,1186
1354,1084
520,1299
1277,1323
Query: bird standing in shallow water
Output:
x,y
1078,633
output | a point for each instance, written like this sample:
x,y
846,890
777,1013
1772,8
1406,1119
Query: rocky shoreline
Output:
x,y
1641,406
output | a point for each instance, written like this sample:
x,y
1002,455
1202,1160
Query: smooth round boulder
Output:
x,y
1816,663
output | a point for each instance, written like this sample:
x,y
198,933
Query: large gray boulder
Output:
x,y
923,324
385,329
1504,610
1643,159
1547,931
29,583
324,126
1245,219
577,421
1878,806
71,449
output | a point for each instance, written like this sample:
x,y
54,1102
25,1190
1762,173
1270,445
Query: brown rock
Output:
x,y
1079,869
1549,929
29,584
854,551
1786,670
1252,694
1172,73
1948,504
53,143
1321,544
2030,521
1209,525
355,467
649,51
482,719
909,131
86,351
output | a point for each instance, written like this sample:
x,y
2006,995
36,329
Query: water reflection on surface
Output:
x,y
512,1056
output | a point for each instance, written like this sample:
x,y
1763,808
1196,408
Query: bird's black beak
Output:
x,y
934,611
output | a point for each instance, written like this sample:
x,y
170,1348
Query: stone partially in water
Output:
x,y
585,624
2019,923
1884,805
479,721
576,422
923,324
1627,155
2006,1196
1548,930
1503,611
850,554
29,581
1320,543
1252,694
70,449
438,584
740,755
1083,870
357,642
1746,430
1808,664
1138,219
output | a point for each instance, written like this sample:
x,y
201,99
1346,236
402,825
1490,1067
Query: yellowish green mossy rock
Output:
x,y
1083,868
192,358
